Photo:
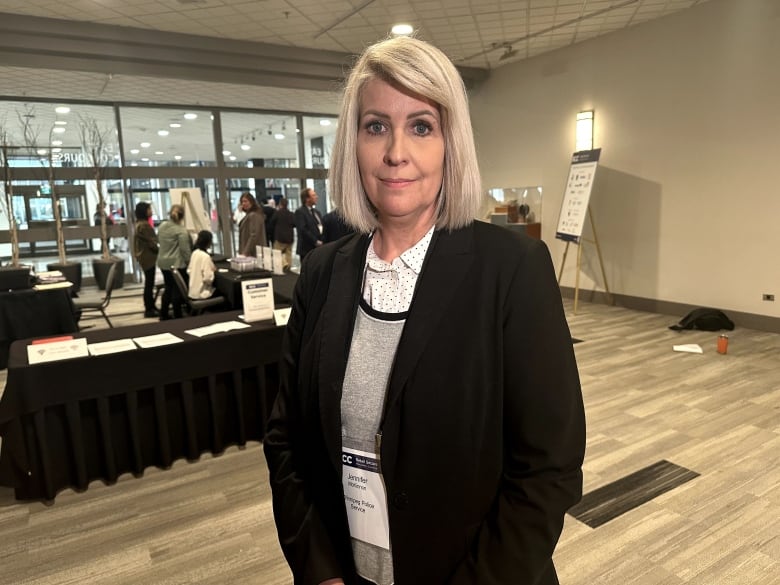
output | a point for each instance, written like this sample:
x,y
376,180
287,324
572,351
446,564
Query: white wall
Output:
x,y
687,204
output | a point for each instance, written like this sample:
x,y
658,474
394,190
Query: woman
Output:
x,y
251,229
175,251
201,268
443,442
145,249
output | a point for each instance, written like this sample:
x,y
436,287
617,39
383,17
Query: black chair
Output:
x,y
101,305
197,306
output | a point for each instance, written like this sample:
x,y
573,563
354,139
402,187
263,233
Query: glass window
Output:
x,y
319,134
259,140
64,135
167,137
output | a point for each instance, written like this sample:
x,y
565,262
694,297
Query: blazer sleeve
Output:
x,y
306,226
185,247
544,441
303,535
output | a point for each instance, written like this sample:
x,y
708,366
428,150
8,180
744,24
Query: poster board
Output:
x,y
579,185
195,217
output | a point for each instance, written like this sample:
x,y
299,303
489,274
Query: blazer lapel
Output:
x,y
338,321
448,261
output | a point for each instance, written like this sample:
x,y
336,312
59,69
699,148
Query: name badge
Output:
x,y
365,498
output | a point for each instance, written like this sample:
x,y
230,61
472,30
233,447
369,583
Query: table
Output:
x,y
228,284
30,313
67,423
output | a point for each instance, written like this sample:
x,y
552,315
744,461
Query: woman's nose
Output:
x,y
396,152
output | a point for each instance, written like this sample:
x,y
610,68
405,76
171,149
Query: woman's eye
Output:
x,y
375,127
422,128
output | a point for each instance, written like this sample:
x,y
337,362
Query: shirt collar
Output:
x,y
412,258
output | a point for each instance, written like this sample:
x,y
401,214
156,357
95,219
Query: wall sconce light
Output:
x,y
584,131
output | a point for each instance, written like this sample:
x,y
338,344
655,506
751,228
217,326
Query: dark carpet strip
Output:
x,y
610,501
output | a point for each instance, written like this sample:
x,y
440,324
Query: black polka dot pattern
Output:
x,y
388,287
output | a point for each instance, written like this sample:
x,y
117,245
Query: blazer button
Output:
x,y
401,500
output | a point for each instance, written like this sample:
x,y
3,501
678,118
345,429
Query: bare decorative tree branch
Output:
x,y
8,190
31,132
93,141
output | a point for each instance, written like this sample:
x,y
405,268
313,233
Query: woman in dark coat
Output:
x,y
145,250
429,426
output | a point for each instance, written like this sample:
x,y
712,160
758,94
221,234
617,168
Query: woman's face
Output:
x,y
400,150
245,204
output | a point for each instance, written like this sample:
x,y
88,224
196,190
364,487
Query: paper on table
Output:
x,y
216,328
157,340
281,316
57,350
106,347
52,285
688,348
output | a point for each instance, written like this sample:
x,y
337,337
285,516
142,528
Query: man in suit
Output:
x,y
308,223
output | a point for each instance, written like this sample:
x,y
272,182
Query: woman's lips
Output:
x,y
396,183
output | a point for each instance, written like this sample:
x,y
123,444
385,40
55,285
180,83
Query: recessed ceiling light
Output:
x,y
56,150
162,133
62,109
245,147
158,152
58,130
193,164
325,122
232,158
146,144
133,164
56,142
226,153
177,156
279,136
402,29
134,151
174,125
41,151
190,116
145,159
60,123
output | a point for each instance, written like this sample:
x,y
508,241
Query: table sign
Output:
x,y
106,347
223,327
281,316
268,259
157,340
278,265
57,350
258,299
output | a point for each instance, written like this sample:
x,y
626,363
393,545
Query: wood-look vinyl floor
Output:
x,y
718,415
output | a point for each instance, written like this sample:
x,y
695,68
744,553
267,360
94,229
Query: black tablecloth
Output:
x,y
69,422
228,284
30,313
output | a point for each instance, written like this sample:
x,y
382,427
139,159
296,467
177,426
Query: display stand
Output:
x,y
574,208
579,243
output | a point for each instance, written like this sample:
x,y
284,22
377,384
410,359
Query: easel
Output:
x,y
579,241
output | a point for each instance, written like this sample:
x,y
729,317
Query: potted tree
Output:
x,y
14,274
93,142
30,132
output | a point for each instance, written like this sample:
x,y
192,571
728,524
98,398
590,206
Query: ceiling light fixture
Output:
x,y
62,109
146,144
325,122
190,116
162,133
58,130
245,147
60,123
402,29
174,125
279,136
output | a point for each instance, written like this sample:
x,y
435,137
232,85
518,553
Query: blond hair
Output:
x,y
423,70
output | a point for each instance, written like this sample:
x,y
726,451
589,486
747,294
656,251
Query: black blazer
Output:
x,y
484,430
308,230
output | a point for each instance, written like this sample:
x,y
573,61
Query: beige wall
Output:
x,y
687,203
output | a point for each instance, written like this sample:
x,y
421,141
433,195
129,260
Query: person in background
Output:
x,y
175,252
100,211
334,227
201,269
145,249
251,229
308,223
283,226
429,426
268,210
